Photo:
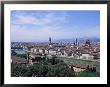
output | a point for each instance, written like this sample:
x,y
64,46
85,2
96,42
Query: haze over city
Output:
x,y
38,26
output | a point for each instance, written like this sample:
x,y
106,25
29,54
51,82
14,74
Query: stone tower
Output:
x,y
76,41
49,40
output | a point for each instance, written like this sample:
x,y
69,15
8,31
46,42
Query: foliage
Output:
x,y
88,74
60,70
17,70
82,62
42,69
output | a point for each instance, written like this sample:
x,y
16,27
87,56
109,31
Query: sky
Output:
x,y
38,26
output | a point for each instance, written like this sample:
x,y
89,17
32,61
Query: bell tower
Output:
x,y
49,40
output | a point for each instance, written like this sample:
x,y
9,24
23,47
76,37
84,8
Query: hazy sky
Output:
x,y
40,25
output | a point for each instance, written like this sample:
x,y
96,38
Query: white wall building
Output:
x,y
86,56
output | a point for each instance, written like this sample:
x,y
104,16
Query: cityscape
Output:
x,y
51,48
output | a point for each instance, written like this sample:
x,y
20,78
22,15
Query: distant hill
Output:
x,y
80,40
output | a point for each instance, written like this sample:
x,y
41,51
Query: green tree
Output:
x,y
43,68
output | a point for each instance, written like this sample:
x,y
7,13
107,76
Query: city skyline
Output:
x,y
38,26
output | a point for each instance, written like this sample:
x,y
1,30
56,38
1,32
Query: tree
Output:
x,y
60,70
40,69
54,59
17,70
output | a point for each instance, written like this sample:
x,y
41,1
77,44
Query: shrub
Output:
x,y
42,69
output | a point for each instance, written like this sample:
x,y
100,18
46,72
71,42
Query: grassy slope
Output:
x,y
79,61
